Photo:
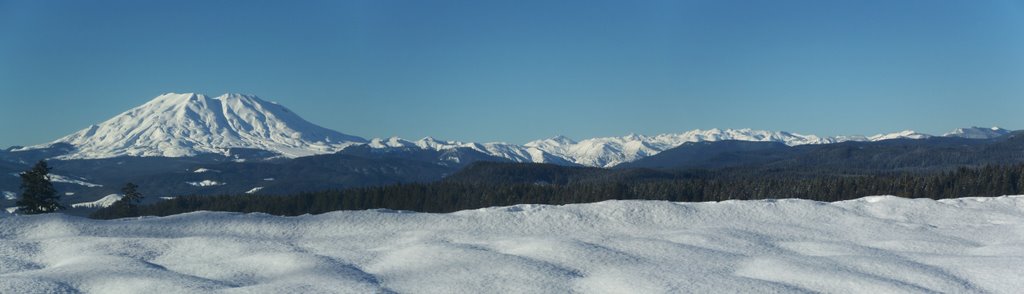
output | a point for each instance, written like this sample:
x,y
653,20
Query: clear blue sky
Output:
x,y
521,70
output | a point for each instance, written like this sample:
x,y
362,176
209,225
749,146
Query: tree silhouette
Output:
x,y
131,194
37,192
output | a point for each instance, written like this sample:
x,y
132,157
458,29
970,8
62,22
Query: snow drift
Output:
x,y
869,245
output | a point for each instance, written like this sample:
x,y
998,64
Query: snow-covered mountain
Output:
x,y
611,151
512,152
181,125
977,133
178,125
905,134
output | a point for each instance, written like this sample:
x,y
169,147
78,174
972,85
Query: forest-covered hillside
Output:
x,y
502,184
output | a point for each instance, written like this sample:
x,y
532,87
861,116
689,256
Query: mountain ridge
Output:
x,y
190,124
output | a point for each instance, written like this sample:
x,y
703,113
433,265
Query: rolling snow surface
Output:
x,y
870,245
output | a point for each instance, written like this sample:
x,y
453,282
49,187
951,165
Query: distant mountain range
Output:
x,y
853,157
180,144
245,126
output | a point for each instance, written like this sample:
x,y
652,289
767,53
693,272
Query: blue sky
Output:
x,y
521,70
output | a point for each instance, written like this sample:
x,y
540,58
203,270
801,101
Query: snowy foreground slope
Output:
x,y
869,245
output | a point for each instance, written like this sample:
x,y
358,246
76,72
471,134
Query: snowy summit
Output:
x,y
176,125
182,125
978,133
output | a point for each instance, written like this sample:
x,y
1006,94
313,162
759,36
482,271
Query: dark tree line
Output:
x,y
453,195
129,203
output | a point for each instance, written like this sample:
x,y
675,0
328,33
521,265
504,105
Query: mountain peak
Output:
x,y
977,132
243,97
561,139
904,134
632,137
176,125
186,98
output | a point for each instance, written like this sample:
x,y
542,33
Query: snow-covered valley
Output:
x,y
869,245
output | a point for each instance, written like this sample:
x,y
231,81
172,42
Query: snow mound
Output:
x,y
106,201
10,195
870,245
254,190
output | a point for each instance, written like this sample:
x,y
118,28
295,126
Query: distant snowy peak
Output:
x,y
787,138
611,151
393,142
181,125
905,134
977,133
512,152
178,125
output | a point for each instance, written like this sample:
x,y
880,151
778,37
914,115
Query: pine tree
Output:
x,y
37,192
131,194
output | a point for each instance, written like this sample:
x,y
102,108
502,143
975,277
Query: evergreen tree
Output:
x,y
131,194
37,192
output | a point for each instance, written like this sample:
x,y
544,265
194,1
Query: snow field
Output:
x,y
870,245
